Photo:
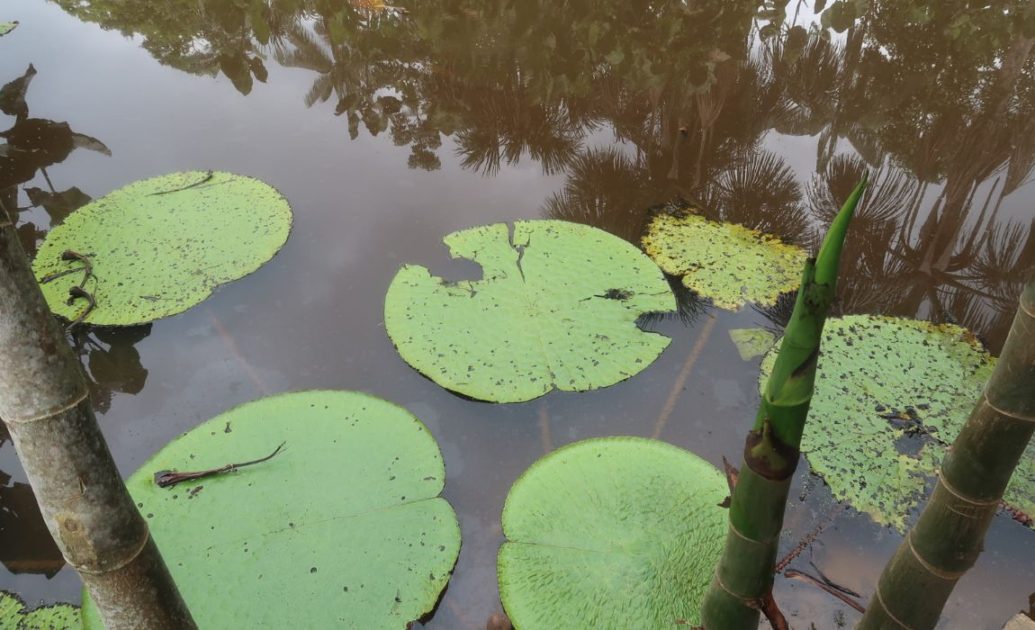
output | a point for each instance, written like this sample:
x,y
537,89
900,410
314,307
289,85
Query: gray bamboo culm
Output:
x,y
45,404
948,537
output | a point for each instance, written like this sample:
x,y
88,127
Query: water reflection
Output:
x,y
25,543
31,145
643,104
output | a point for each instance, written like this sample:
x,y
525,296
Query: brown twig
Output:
x,y
834,590
772,612
75,293
809,538
168,478
208,177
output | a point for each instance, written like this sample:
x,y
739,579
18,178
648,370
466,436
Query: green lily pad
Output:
x,y
162,245
752,342
7,27
611,533
345,525
729,263
556,307
13,615
891,395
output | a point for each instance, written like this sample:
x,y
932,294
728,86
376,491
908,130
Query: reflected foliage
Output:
x,y
934,99
25,542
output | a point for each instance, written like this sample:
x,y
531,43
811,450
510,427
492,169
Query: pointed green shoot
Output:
x,y
789,388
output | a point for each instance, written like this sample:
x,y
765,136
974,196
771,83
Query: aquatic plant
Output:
x,y
893,394
729,263
556,307
618,532
159,246
13,615
948,537
337,512
744,577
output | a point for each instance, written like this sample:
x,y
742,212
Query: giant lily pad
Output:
x,y
162,245
891,395
14,616
611,533
729,263
7,27
343,529
556,307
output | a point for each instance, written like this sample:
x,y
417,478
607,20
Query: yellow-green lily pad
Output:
x,y
159,246
891,395
7,27
556,307
752,342
345,524
14,616
619,532
728,263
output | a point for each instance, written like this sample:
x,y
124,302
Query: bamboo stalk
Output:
x,y
744,578
45,404
947,539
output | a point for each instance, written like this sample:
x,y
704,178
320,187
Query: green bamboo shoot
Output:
x,y
744,578
45,404
947,538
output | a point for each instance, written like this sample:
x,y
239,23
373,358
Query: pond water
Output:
x,y
388,128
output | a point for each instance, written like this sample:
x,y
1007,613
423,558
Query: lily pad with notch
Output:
x,y
556,307
891,395
345,523
159,246
728,263
619,532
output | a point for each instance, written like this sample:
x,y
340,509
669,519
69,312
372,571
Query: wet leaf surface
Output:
x,y
345,524
729,263
891,395
162,245
611,533
556,307
14,616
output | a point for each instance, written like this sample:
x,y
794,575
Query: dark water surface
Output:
x,y
387,130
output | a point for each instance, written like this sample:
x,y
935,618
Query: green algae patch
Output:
x,y
7,27
728,263
14,616
159,246
617,532
345,523
891,395
752,342
556,307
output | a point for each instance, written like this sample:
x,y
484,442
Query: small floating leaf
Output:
x,y
162,245
611,533
345,524
891,395
13,615
752,342
728,263
556,307
7,27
